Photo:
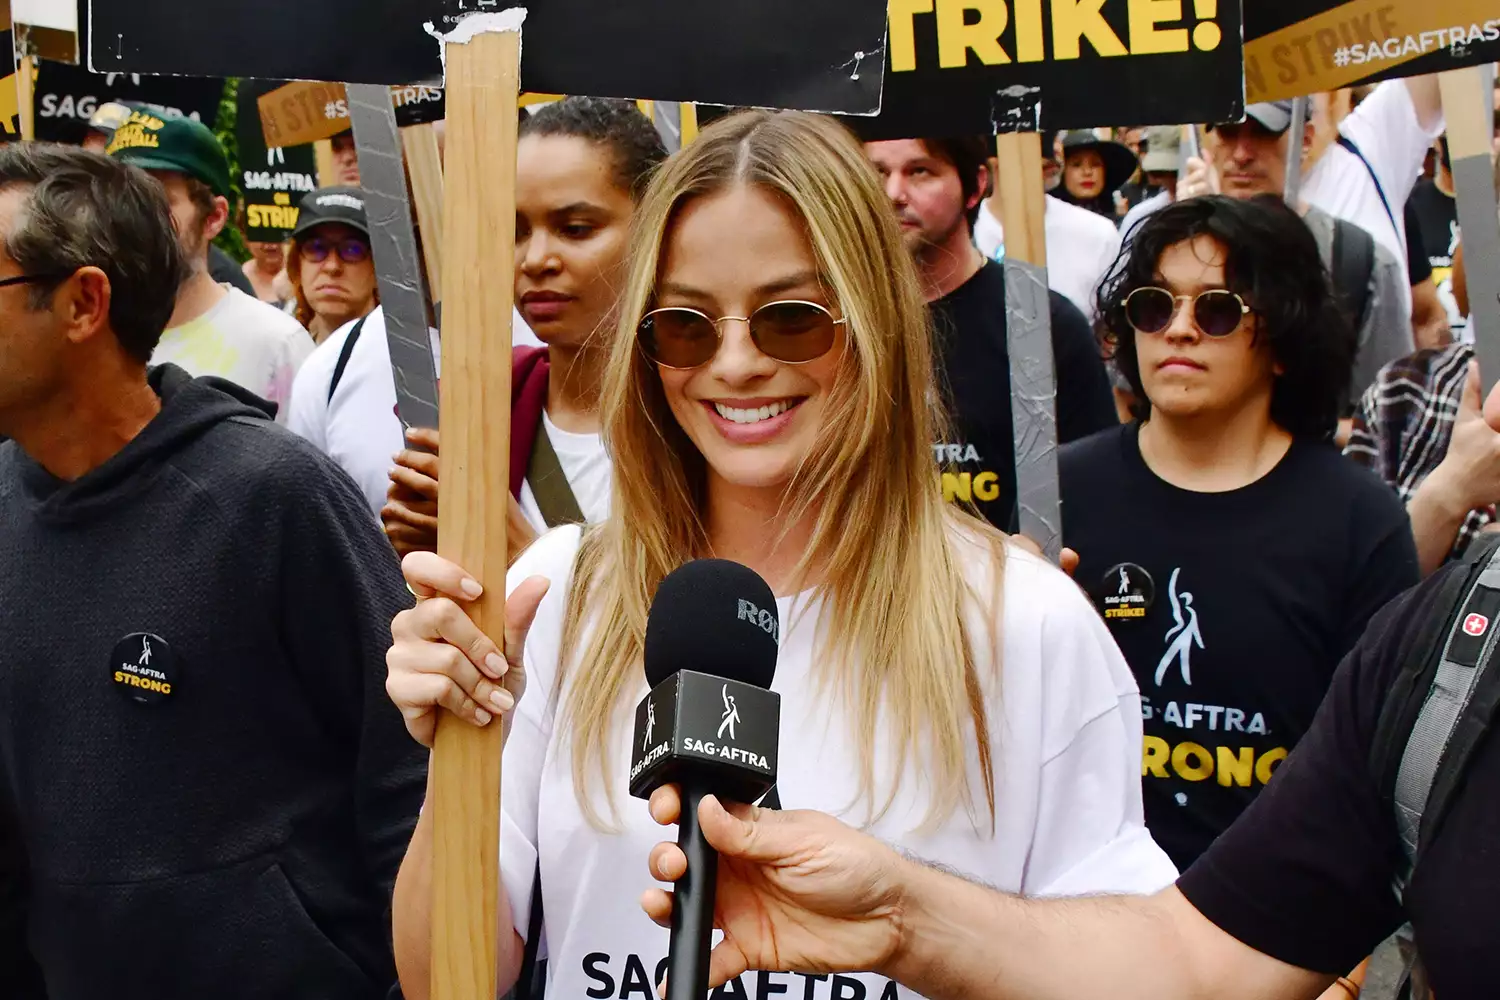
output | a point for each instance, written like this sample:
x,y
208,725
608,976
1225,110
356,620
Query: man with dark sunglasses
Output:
x,y
203,788
216,329
1233,552
936,187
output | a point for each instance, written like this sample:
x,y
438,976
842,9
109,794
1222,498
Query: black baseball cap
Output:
x,y
344,205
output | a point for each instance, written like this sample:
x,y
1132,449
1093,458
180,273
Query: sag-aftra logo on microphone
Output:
x,y
765,620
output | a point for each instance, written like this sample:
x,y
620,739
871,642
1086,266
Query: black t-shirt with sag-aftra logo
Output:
x,y
977,464
1233,609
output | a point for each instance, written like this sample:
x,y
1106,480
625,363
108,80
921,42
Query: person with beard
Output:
x,y
216,329
100,129
936,187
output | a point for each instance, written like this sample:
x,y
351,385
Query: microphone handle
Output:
x,y
693,903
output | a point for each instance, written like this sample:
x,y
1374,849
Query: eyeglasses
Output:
x,y
350,251
793,332
30,279
1216,312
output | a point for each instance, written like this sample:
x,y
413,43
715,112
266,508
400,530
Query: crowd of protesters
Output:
x,y
227,633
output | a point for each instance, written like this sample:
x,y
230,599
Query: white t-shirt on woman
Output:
x,y
1066,741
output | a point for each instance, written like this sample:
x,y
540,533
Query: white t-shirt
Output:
x,y
1066,730
241,339
1081,245
359,429
586,464
1386,130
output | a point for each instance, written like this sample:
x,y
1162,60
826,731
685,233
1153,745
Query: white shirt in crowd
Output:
x,y
1066,728
1138,214
358,427
244,340
1385,129
1081,245
586,464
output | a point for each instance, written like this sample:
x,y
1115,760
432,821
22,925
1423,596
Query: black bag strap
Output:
x,y
345,353
1352,266
554,497
531,984
1441,704
1348,144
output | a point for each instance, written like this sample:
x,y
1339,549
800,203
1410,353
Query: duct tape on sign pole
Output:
x,y
398,259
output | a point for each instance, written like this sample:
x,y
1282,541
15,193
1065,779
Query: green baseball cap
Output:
x,y
154,141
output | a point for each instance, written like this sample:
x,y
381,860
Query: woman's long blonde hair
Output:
x,y
895,648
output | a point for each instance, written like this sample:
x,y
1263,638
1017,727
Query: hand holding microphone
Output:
x,y
710,725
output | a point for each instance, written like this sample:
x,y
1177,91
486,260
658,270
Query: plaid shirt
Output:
x,y
1404,422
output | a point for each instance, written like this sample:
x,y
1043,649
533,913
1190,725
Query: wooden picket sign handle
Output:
x,y
425,165
1023,205
26,96
483,81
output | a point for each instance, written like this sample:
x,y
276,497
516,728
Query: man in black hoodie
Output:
x,y
208,791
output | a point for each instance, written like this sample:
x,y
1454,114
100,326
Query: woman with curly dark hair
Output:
x,y
1233,552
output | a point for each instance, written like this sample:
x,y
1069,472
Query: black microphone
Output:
x,y
710,725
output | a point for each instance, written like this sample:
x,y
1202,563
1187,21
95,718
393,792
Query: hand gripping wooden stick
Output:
x,y
478,245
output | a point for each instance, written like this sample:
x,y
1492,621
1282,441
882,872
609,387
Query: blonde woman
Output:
x,y
768,400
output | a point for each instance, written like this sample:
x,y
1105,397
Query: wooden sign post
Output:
x,y
484,76
1028,318
425,165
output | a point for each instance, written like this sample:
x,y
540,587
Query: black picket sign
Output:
x,y
273,181
1028,65
67,96
823,56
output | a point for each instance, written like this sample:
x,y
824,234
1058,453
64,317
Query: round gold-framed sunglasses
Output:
x,y
1217,312
792,331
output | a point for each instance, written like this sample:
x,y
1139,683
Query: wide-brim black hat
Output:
x,y
1119,162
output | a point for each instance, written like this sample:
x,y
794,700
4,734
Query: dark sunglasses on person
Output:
x,y
793,332
1216,312
350,251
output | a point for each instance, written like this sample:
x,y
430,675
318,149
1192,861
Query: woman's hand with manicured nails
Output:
x,y
440,658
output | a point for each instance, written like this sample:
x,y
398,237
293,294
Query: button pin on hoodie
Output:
x,y
144,668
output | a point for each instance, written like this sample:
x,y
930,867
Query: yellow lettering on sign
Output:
x,y
1029,47
1075,19
1145,37
956,37
281,198
903,40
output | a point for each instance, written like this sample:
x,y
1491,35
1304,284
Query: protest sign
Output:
x,y
1297,47
272,179
46,29
10,107
961,67
306,111
67,96
776,53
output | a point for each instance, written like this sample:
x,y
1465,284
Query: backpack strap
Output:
x,y
1348,144
345,353
1432,720
549,483
1352,266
